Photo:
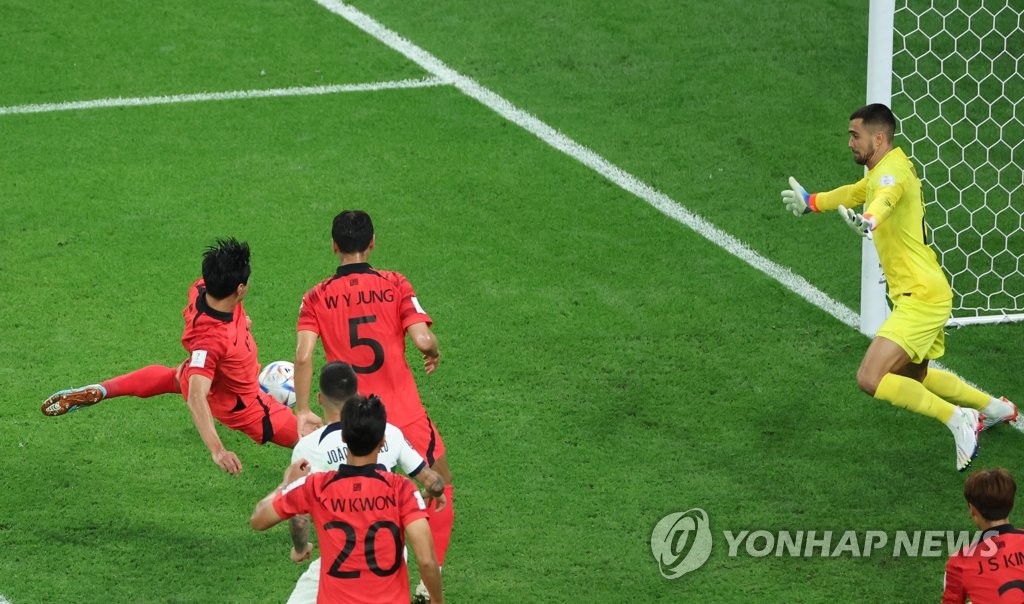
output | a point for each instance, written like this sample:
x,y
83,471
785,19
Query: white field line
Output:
x,y
220,96
613,173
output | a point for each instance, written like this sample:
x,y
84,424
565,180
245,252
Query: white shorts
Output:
x,y
307,585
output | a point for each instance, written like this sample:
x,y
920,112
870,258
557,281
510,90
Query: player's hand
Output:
x,y
307,422
296,471
796,198
430,363
438,502
861,224
228,462
298,557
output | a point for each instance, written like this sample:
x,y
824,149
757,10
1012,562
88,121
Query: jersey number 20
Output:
x,y
370,550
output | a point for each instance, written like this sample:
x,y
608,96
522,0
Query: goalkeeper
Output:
x,y
895,367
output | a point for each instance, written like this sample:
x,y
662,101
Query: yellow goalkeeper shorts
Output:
x,y
917,327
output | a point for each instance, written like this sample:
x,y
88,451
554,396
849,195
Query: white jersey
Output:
x,y
325,450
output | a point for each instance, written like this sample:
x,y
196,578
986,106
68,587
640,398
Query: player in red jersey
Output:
x,y
361,512
992,571
219,378
362,315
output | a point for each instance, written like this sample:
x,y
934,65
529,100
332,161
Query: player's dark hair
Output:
x,y
362,424
991,492
338,382
352,231
225,267
878,116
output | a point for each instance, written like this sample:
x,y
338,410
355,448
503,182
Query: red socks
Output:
x,y
144,383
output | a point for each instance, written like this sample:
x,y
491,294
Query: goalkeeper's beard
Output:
x,y
862,158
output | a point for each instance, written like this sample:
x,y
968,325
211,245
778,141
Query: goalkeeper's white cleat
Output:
x,y
966,424
1002,411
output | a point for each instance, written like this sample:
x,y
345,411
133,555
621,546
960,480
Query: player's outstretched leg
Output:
x,y
965,426
951,388
149,381
67,401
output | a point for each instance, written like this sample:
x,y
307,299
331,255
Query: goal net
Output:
x,y
958,92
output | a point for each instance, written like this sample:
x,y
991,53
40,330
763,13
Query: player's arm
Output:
x,y
887,194
417,535
264,515
798,201
433,483
298,527
417,469
426,342
199,407
304,347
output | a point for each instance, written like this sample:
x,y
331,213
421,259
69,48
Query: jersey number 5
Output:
x,y
369,547
354,340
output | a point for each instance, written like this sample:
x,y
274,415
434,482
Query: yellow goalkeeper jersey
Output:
x,y
892,194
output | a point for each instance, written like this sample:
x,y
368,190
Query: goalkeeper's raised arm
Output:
x,y
846,195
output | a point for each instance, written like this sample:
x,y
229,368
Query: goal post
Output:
x,y
873,305
952,73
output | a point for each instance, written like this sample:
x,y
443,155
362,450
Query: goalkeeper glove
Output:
x,y
796,198
861,224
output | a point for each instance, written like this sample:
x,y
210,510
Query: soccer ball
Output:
x,y
278,380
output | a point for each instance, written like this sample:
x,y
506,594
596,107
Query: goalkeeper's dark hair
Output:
x,y
225,267
352,231
362,424
877,115
991,492
338,383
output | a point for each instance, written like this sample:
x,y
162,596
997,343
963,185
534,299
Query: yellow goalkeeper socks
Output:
x,y
911,394
951,388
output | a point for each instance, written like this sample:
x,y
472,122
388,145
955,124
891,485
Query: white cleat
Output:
x,y
965,434
422,596
1007,414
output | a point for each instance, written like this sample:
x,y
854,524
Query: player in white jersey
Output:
x,y
325,450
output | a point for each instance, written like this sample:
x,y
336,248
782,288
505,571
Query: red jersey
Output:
x,y
360,514
991,572
361,315
221,348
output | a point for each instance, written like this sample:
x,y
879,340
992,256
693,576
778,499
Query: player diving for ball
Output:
x,y
219,377
895,367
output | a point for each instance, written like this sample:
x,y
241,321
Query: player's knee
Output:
x,y
867,381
